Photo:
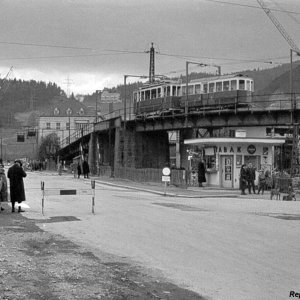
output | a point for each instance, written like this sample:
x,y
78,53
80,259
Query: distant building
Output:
x,y
64,117
107,102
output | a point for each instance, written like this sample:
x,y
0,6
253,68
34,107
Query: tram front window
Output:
x,y
242,84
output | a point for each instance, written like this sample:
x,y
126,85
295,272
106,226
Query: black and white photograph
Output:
x,y
149,149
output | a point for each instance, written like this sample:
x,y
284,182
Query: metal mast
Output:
x,y
293,48
279,26
152,65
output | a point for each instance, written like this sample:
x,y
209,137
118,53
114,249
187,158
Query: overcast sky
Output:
x,y
92,43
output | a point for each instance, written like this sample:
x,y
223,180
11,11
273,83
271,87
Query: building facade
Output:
x,y
224,156
64,117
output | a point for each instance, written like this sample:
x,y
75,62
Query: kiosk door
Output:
x,y
227,171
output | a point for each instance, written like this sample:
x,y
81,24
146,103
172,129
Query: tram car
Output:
x,y
157,99
213,93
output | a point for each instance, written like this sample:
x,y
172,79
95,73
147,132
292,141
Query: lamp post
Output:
x,y
98,92
69,112
125,99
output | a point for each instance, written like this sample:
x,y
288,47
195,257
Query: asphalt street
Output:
x,y
219,245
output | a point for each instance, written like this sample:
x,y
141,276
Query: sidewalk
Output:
x,y
173,191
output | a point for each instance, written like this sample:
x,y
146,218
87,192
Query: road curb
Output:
x,y
167,194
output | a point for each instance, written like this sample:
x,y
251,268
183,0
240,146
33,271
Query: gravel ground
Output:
x,y
39,265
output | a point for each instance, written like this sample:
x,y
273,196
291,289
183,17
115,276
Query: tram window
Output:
x,y
168,91
241,84
143,95
233,85
248,87
183,90
226,86
135,97
197,88
211,87
205,88
219,86
153,93
191,89
174,90
147,95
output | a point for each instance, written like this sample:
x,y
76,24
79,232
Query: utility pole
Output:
x,y
152,64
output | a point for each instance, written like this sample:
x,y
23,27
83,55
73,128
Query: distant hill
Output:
x,y
24,99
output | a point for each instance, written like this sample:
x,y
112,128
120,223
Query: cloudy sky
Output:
x,y
85,45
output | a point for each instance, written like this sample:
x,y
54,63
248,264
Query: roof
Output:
x,y
220,77
68,107
228,141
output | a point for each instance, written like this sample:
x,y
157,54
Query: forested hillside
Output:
x,y
22,96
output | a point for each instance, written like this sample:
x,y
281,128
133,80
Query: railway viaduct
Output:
x,y
145,143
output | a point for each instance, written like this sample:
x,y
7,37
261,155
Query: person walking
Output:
x,y
59,168
85,169
74,169
3,187
251,178
201,172
78,169
243,179
261,182
15,175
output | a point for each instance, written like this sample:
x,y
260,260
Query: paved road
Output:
x,y
221,248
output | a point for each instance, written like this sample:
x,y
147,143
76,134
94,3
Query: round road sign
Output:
x,y
166,171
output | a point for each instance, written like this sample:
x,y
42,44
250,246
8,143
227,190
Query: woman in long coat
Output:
x,y
15,175
3,187
201,172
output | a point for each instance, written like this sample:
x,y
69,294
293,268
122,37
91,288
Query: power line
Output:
x,y
252,6
46,45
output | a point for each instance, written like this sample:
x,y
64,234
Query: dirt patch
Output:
x,y
180,206
39,265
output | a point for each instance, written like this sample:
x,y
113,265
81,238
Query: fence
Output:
x,y
283,183
178,177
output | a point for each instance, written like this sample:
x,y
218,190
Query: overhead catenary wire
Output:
x,y
252,6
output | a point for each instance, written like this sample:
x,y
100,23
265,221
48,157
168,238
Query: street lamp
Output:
x,y
69,112
96,112
125,78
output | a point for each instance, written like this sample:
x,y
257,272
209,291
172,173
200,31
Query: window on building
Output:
x,y
48,126
56,111
68,126
57,126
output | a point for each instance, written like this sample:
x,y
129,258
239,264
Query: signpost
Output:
x,y
166,172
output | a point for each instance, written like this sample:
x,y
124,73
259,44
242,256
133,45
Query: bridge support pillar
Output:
x,y
93,153
141,149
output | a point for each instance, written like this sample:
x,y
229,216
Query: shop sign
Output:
x,y
251,149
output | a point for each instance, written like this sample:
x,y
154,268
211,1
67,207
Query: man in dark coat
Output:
x,y
251,178
15,175
85,169
201,172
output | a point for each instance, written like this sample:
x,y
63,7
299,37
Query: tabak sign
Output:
x,y
251,149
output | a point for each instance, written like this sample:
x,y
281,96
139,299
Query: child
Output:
x,y
3,187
